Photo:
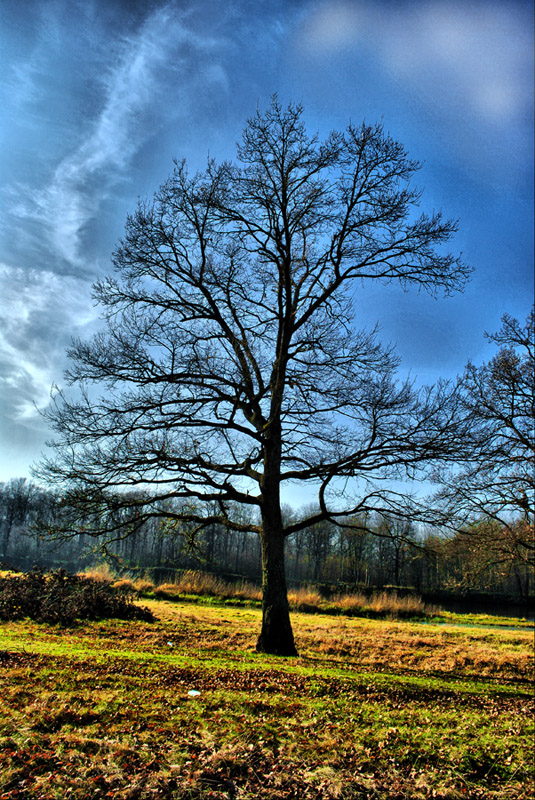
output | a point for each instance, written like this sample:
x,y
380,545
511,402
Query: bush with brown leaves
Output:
x,y
62,599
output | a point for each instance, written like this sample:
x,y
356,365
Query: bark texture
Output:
x,y
276,636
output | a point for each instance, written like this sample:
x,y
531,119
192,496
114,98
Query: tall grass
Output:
x,y
383,604
195,583
307,598
202,584
100,572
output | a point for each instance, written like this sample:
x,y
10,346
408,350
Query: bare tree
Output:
x,y
16,498
398,540
230,362
496,484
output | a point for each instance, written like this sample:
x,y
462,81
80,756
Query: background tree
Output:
x,y
397,539
496,486
230,364
15,500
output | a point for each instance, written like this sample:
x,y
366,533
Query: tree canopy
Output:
x,y
230,364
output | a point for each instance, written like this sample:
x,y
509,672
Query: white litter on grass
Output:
x,y
170,644
193,693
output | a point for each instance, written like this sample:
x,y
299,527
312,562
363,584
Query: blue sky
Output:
x,y
98,97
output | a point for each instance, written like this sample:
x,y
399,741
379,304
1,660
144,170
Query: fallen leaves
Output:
x,y
110,717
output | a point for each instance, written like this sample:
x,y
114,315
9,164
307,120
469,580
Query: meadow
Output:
x,y
184,708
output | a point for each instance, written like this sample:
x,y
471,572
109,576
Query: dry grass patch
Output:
x,y
419,648
198,584
201,583
105,712
167,591
143,585
383,604
194,583
100,572
126,585
305,599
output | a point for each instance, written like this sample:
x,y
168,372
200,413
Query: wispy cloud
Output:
x,y
131,110
46,284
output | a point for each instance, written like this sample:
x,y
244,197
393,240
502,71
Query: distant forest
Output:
x,y
485,559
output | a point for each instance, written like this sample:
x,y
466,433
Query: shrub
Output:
x,y
60,598
143,585
167,591
124,586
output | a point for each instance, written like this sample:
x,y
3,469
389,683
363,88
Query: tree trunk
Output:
x,y
276,636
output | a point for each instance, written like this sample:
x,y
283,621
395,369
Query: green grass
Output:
x,y
370,709
482,619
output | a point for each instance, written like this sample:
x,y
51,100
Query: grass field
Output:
x,y
370,709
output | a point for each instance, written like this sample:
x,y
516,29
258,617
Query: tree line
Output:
x,y
375,553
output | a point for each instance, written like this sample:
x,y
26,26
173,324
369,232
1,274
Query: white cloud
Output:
x,y
332,26
39,311
476,50
476,55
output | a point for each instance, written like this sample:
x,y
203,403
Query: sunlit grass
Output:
x,y
383,604
198,586
201,587
370,708
100,572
